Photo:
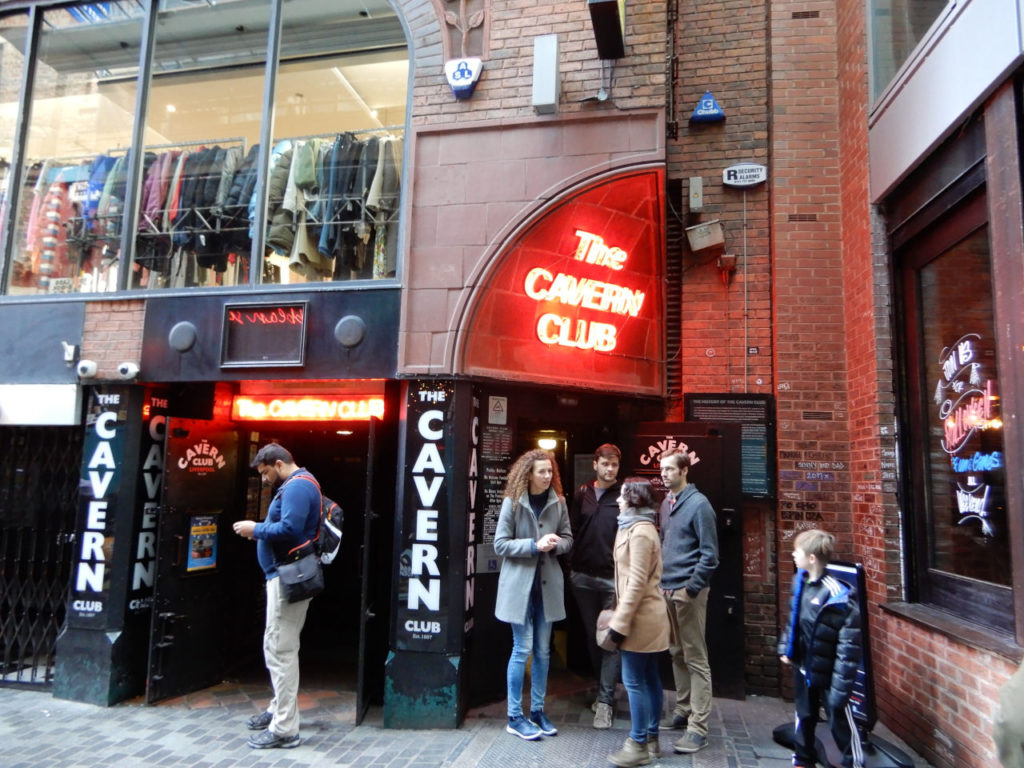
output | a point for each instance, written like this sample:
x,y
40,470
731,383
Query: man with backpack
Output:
x,y
293,519
594,520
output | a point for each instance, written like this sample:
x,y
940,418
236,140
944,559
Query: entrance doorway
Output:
x,y
221,605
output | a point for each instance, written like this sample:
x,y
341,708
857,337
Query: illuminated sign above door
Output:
x,y
306,408
576,300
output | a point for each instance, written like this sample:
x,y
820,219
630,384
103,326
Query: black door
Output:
x,y
189,635
717,475
369,654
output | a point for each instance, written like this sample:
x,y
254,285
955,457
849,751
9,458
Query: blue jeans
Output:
x,y
533,636
643,687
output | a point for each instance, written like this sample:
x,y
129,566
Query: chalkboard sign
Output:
x,y
264,335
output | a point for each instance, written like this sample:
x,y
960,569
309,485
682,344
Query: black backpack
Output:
x,y
327,542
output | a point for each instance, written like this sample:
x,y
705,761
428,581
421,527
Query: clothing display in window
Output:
x,y
332,207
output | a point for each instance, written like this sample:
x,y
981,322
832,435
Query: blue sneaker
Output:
x,y
523,728
541,721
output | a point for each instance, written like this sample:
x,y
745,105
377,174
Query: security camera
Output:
x,y
128,370
86,369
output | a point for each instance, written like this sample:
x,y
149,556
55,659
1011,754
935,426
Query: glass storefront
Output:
x,y
896,27
332,176
11,68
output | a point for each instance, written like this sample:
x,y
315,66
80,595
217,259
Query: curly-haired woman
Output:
x,y
533,529
639,625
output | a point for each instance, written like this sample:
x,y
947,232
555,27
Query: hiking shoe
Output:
x,y
653,746
539,719
632,754
690,742
259,722
603,715
674,722
269,740
523,728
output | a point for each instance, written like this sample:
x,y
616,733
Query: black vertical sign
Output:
x,y
99,487
422,606
142,572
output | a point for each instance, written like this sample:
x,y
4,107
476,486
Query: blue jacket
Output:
x,y
292,519
830,662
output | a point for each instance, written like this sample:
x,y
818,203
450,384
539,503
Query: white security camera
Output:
x,y
128,370
86,369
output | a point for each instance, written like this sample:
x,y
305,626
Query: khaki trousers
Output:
x,y
687,617
281,653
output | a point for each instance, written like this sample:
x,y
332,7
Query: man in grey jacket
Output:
x,y
689,554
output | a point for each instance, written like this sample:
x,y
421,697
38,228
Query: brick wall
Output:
x,y
505,87
937,694
112,334
723,47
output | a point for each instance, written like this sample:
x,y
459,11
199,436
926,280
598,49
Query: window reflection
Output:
x,y
11,64
332,208
897,26
339,112
966,473
72,198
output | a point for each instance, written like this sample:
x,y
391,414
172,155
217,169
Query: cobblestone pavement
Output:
x,y
207,730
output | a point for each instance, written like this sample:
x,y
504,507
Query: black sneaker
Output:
x,y
269,740
259,722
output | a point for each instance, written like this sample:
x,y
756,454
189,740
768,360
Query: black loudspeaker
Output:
x,y
607,28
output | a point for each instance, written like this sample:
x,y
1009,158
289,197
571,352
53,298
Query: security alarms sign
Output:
x,y
744,175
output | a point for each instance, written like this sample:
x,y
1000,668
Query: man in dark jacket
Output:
x,y
593,519
689,555
293,519
822,642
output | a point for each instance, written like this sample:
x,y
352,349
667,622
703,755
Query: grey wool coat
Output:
x,y
517,530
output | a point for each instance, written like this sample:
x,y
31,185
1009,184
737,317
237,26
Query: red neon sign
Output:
x,y
576,298
306,408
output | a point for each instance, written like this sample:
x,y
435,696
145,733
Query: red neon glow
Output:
x,y
278,316
576,298
593,251
305,408
582,292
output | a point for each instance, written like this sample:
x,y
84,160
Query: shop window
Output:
x,y
202,132
332,208
956,472
12,61
897,26
338,110
72,195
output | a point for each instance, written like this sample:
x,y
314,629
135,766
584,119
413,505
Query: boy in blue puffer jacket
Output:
x,y
822,642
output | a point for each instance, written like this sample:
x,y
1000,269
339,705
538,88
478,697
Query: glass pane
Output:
x,y
71,202
966,473
897,26
336,170
13,30
201,134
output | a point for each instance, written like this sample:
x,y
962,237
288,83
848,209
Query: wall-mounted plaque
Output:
x,y
264,335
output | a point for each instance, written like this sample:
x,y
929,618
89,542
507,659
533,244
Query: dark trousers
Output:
x,y
593,594
844,729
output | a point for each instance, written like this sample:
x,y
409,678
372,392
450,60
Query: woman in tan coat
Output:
x,y
639,625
